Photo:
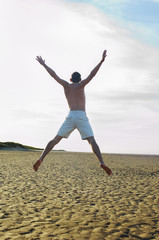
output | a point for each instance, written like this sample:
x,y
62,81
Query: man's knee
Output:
x,y
56,140
91,140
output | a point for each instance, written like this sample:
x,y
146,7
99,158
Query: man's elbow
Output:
x,y
92,74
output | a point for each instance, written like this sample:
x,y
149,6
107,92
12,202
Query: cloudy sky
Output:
x,y
123,98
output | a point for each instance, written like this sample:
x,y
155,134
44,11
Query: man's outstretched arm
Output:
x,y
95,70
51,72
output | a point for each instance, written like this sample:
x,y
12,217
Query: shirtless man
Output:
x,y
74,93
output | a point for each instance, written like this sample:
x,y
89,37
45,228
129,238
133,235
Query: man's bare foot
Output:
x,y
37,165
106,169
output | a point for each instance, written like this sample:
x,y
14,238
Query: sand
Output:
x,y
71,197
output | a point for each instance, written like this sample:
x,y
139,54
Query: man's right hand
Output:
x,y
104,55
40,60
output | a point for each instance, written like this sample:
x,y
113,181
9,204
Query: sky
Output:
x,y
122,101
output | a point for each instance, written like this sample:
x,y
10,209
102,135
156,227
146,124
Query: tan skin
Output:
x,y
75,96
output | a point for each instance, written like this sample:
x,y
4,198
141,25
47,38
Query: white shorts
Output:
x,y
76,120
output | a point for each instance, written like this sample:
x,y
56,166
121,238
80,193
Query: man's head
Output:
x,y
75,77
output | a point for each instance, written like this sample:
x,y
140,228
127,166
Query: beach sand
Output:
x,y
71,197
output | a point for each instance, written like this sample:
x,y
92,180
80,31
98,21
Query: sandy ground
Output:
x,y
71,197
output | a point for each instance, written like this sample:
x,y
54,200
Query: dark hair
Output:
x,y
76,77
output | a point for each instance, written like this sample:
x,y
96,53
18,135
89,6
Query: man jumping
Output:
x,y
76,119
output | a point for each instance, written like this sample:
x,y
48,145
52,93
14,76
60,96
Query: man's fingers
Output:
x,y
105,53
40,60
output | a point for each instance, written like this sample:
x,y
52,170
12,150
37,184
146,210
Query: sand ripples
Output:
x,y
71,197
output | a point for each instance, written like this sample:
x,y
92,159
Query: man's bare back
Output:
x,y
75,96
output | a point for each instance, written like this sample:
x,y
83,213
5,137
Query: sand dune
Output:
x,y
71,197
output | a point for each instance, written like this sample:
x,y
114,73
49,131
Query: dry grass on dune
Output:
x,y
71,197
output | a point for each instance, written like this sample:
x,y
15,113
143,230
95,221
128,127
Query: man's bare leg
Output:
x,y
97,152
48,148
